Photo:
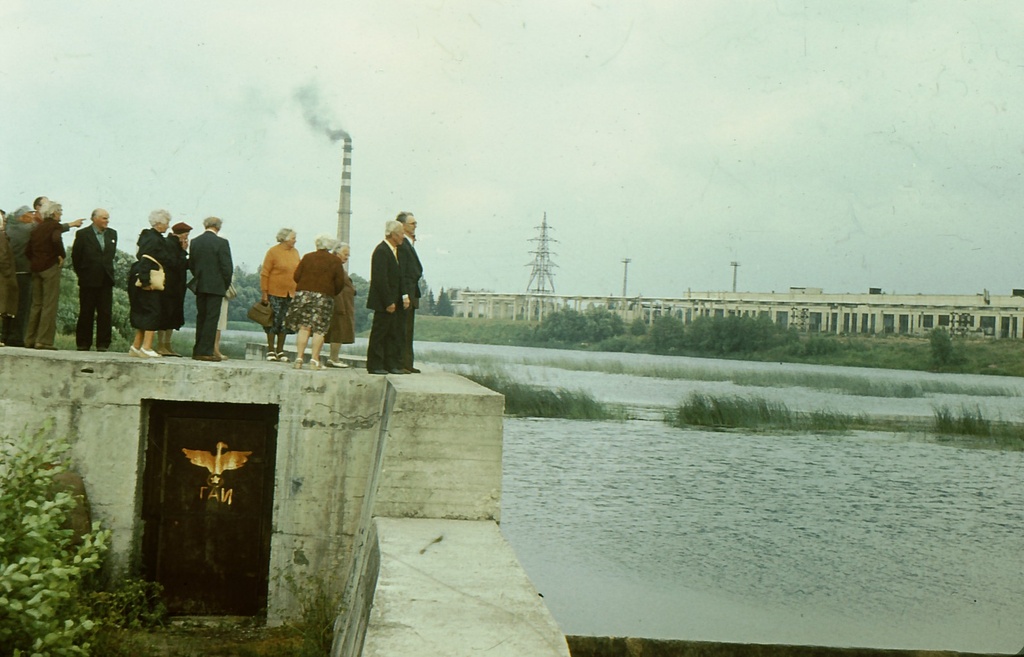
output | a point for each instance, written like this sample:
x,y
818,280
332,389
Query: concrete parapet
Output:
x,y
451,587
443,457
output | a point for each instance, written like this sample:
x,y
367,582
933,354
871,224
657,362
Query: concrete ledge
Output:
x,y
605,646
454,588
258,351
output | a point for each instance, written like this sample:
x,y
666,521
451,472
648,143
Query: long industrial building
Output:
x,y
806,309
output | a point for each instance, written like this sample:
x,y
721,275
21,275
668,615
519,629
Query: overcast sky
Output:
x,y
876,143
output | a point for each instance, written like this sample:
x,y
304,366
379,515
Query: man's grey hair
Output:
x,y
324,241
402,216
50,209
212,222
159,217
284,235
339,247
17,214
393,226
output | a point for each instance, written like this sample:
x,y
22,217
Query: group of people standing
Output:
x,y
32,254
311,296
394,296
158,280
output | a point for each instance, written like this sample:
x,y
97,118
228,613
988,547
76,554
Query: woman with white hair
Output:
x,y
343,320
277,283
318,278
146,306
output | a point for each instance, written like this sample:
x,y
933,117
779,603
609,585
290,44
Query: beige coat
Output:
x,y
343,322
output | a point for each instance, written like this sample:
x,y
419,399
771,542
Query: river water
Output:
x,y
868,539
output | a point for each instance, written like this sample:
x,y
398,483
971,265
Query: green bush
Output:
x,y
43,567
666,335
569,327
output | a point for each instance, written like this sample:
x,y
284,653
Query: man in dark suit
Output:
x,y
385,299
210,263
92,257
412,271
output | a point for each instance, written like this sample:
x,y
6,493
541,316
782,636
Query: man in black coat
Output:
x,y
412,271
92,257
210,263
385,299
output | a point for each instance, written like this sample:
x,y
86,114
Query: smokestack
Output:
x,y
345,202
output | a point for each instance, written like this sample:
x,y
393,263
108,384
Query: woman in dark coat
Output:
x,y
173,299
146,305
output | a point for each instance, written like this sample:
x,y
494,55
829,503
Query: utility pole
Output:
x,y
735,265
625,272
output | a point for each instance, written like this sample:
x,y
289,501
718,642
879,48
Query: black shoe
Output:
x,y
83,348
396,371
101,349
377,371
411,370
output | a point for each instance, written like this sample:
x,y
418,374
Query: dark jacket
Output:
x,y
93,261
412,271
320,271
385,279
45,246
19,232
151,243
210,263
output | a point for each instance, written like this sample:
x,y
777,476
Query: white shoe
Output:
x,y
134,353
297,365
149,353
336,363
271,355
282,357
315,364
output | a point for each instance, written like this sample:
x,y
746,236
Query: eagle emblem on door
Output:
x,y
217,463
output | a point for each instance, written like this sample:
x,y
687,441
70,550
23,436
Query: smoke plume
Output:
x,y
316,115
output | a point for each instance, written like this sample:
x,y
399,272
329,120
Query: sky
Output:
x,y
835,145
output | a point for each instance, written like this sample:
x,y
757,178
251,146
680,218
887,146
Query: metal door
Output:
x,y
207,505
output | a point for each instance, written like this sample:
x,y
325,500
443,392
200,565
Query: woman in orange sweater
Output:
x,y
277,283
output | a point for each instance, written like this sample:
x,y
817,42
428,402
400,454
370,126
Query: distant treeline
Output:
x,y
735,337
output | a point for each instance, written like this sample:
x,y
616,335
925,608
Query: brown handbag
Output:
x,y
261,313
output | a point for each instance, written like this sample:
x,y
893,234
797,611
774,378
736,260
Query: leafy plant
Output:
x,y
43,566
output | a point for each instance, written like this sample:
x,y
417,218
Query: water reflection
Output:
x,y
858,540
864,539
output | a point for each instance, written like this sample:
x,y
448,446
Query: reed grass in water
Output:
x,y
523,400
734,412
